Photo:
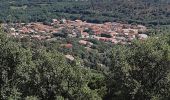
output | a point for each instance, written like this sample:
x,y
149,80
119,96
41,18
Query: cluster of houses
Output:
x,y
115,33
107,32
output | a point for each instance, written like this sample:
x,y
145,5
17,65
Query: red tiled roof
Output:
x,y
68,46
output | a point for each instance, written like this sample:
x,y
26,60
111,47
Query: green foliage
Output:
x,y
40,74
152,12
141,71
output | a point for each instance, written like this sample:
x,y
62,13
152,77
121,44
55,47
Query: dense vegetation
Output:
x,y
38,70
34,70
150,12
33,74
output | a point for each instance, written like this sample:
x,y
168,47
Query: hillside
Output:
x,y
84,49
37,70
150,12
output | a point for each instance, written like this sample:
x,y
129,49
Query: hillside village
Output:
x,y
107,32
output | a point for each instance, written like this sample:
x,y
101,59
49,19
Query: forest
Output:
x,y
149,12
34,70
39,70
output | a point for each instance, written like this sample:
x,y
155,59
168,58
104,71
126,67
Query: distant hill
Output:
x,y
151,12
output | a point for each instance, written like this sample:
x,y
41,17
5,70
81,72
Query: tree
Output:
x,y
32,73
141,71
